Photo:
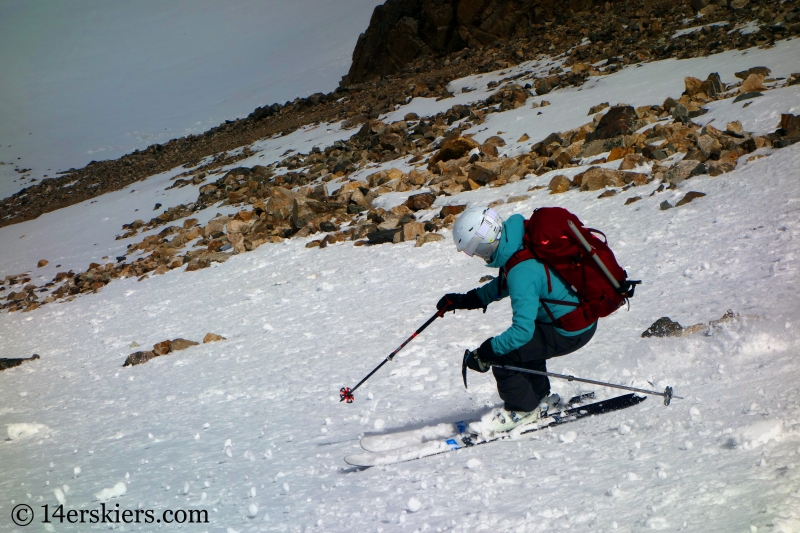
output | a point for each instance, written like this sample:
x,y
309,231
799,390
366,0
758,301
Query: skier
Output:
x,y
532,337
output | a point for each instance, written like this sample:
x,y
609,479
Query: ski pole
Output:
x,y
667,394
346,393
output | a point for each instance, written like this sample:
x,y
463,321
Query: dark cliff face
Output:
x,y
402,31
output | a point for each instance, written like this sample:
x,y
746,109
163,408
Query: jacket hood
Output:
x,y
510,241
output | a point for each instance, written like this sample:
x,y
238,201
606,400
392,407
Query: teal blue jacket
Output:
x,y
526,284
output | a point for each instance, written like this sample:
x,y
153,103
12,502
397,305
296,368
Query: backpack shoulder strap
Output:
x,y
514,260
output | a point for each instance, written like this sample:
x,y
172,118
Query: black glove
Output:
x,y
486,352
473,362
478,360
453,301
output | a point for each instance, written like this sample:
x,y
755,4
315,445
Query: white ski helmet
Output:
x,y
477,232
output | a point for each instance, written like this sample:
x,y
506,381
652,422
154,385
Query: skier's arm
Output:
x,y
525,307
491,292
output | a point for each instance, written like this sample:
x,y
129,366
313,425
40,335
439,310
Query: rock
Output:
x,y
665,205
383,236
790,124
451,210
693,85
735,128
631,161
754,82
137,358
592,148
411,116
240,226
632,199
495,140
453,149
684,170
636,178
559,184
597,108
198,263
490,149
663,327
304,210
597,178
744,74
609,193
428,237
181,344
11,363
747,96
484,172
212,337
689,197
618,153
162,348
708,145
523,138
411,230
680,113
189,223
619,120
215,226
419,177
281,203
518,198
42,263
421,201
736,5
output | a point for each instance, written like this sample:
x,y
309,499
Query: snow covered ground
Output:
x,y
93,80
251,428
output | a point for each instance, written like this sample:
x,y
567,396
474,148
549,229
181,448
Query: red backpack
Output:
x,y
549,238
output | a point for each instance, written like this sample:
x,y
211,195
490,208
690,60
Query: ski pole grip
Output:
x,y
597,260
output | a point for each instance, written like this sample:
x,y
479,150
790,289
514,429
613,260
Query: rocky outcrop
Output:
x,y
402,31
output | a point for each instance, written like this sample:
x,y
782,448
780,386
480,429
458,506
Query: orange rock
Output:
x,y
559,184
162,348
618,153
212,337
42,263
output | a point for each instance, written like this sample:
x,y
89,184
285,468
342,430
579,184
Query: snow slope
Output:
x,y
251,428
95,80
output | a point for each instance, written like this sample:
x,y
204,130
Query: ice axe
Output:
x,y
346,393
667,394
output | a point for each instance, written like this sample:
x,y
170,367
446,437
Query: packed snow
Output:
x,y
252,430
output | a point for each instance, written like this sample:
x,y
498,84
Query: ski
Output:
x,y
402,439
465,440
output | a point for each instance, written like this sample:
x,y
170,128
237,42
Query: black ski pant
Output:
x,y
522,391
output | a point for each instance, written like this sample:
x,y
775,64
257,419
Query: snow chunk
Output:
x,y
761,433
60,496
114,492
24,430
473,463
569,436
656,522
413,505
